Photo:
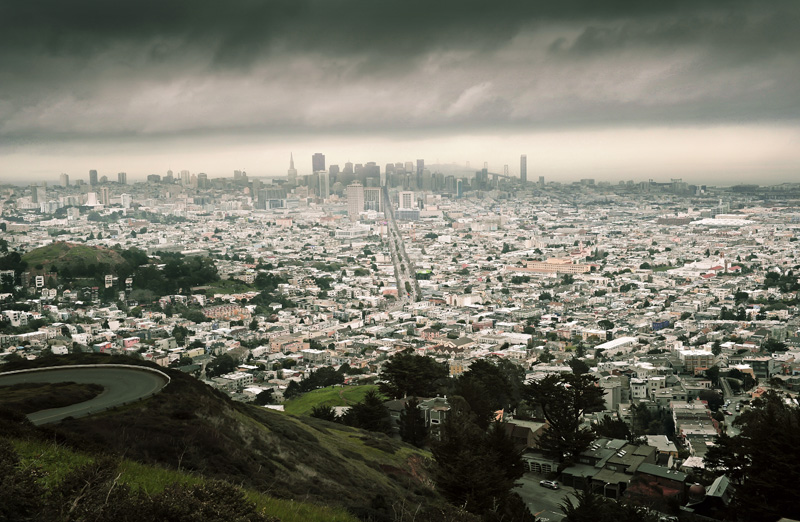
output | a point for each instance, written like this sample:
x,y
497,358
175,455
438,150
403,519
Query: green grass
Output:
x,y
61,253
327,397
56,462
229,285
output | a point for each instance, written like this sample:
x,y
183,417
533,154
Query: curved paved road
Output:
x,y
120,385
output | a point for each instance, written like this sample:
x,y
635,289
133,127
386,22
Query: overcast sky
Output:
x,y
707,91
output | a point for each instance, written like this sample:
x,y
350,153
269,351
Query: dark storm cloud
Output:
x,y
241,30
154,67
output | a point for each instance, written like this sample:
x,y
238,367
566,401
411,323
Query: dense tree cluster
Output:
x,y
321,378
762,460
369,414
591,507
412,423
490,385
406,374
476,468
563,400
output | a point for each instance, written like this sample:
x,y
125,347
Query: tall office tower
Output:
x,y
291,174
324,184
333,174
355,200
408,167
105,196
348,168
541,181
122,178
317,162
63,180
202,180
126,200
184,179
169,178
459,188
523,168
93,177
372,198
406,199
35,194
420,166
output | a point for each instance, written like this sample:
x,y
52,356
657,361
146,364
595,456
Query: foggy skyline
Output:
x,y
706,91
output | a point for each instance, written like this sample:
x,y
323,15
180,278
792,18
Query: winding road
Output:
x,y
121,385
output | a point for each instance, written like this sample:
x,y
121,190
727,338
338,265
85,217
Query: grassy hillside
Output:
x,y
196,429
330,396
55,462
63,254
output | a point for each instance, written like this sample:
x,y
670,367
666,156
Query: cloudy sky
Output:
x,y
707,91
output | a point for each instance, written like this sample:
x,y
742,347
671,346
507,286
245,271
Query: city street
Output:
x,y
542,502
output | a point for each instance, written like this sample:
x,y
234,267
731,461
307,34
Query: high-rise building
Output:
x,y
372,199
318,162
93,177
541,181
202,180
63,180
324,184
169,177
122,178
406,199
292,172
355,200
105,196
523,168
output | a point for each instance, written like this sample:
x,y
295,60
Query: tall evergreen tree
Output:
x,y
563,400
476,468
412,423
762,460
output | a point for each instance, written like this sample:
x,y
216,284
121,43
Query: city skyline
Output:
x,y
700,90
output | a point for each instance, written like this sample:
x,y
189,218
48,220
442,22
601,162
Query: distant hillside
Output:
x,y
71,255
192,427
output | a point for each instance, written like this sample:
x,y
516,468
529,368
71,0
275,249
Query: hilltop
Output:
x,y
193,428
73,256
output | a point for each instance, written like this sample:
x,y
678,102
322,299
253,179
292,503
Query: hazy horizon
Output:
x,y
700,90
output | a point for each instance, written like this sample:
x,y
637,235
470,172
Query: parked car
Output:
x,y
552,484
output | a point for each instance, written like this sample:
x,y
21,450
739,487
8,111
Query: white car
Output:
x,y
552,484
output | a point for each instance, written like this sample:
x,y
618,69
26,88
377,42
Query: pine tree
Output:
x,y
412,423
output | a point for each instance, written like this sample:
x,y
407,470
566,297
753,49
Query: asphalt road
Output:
x,y
543,502
120,386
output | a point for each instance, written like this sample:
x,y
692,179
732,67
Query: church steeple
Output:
x,y
292,172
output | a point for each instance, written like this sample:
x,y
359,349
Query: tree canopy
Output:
x,y
477,468
407,374
762,460
563,400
